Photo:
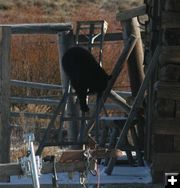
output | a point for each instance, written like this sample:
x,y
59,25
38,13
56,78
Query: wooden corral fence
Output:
x,y
64,41
5,97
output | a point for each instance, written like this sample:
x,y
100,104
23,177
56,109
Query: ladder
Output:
x,y
93,32
84,132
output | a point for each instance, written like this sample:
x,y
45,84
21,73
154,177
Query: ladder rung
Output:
x,y
50,144
92,22
88,27
113,118
77,118
84,25
90,45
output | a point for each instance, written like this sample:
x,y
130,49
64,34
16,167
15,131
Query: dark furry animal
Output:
x,y
85,74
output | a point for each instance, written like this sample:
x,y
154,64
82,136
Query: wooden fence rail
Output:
x,y
35,85
5,40
39,28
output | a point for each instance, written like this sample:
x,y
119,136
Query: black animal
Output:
x,y
85,74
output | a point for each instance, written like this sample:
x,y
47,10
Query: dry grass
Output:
x,y
119,5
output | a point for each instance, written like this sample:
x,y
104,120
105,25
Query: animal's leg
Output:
x,y
82,100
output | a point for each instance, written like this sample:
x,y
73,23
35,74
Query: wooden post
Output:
x,y
5,36
136,59
66,41
133,112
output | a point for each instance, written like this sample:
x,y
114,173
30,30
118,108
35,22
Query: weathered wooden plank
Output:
x,y
122,102
177,109
26,100
166,162
157,176
166,126
177,143
170,72
172,5
21,83
66,164
165,108
52,102
39,28
108,106
11,169
112,37
32,115
5,39
170,19
134,12
170,55
168,90
74,155
171,37
163,143
109,37
124,94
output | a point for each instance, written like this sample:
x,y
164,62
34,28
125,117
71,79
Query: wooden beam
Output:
x,y
170,72
108,37
166,162
168,90
177,143
170,54
173,6
165,108
163,143
5,41
177,115
131,13
74,155
21,83
11,169
136,58
39,28
70,161
119,100
170,20
166,126
32,115
27,100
